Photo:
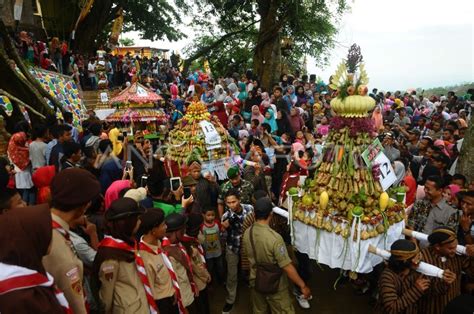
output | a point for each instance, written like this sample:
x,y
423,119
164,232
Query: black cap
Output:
x,y
194,223
152,218
123,208
175,222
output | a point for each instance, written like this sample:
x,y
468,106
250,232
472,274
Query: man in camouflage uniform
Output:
x,y
244,187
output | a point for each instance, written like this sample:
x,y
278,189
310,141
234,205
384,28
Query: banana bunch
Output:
x,y
197,111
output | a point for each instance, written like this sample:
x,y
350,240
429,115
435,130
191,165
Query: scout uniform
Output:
x,y
158,273
124,285
69,188
198,260
270,248
64,265
180,260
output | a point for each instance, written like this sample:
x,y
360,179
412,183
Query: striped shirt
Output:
x,y
398,294
440,293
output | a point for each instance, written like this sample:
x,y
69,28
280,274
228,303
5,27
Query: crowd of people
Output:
x,y
128,237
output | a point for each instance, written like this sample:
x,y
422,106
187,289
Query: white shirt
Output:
x,y
91,69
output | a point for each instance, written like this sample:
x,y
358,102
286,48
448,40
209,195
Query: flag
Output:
x,y
116,28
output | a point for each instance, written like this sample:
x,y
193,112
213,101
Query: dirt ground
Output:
x,y
325,300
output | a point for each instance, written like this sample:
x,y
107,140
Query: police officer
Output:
x,y
72,191
271,249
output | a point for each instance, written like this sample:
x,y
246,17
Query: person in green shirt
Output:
x,y
163,197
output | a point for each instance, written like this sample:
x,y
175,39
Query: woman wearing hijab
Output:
x,y
19,154
301,97
242,92
219,93
257,115
124,285
220,113
377,119
270,120
116,143
283,123
234,90
42,179
114,190
25,286
266,102
400,286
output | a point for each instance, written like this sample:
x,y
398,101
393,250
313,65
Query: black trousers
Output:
x,y
303,267
167,305
200,304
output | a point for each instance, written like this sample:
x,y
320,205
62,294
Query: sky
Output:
x,y
405,43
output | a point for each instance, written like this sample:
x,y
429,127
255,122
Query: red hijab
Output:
x,y
17,150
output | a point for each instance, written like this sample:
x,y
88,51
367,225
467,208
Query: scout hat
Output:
x,y
233,172
194,223
123,208
404,250
442,235
175,222
74,186
152,218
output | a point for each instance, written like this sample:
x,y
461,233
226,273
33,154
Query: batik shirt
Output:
x,y
234,231
425,216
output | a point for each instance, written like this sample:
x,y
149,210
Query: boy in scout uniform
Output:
x,y
271,249
72,191
198,261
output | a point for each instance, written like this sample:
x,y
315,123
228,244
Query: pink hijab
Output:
x,y
442,145
454,190
256,114
114,190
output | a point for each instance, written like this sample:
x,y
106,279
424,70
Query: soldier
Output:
x,y
72,191
271,249
244,187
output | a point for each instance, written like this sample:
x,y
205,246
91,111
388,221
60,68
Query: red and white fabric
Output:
x,y
13,278
111,242
174,279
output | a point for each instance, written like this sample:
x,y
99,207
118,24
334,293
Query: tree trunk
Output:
x,y
267,56
465,163
87,31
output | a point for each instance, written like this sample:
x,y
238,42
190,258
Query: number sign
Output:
x,y
212,138
387,174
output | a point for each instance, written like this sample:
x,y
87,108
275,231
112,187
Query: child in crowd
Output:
x,y
198,261
254,128
210,229
160,274
323,127
449,195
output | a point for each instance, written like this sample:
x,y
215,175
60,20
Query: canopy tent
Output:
x,y
136,95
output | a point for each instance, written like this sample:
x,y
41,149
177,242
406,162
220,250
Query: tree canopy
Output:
x,y
251,32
